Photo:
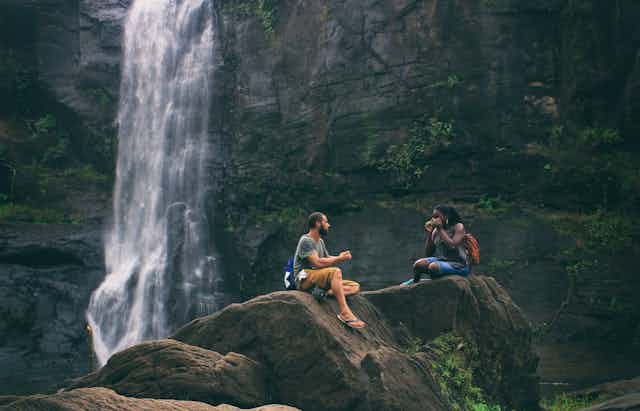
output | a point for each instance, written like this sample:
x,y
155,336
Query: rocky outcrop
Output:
x,y
47,273
107,400
316,363
173,370
629,402
480,310
288,348
75,48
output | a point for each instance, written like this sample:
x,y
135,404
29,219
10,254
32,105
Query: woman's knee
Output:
x,y
420,266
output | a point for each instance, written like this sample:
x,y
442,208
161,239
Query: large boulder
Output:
x,y
314,359
610,389
103,399
481,310
316,363
173,370
629,402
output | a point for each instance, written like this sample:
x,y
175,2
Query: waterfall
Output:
x,y
161,271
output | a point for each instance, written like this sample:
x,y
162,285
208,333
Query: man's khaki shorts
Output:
x,y
321,277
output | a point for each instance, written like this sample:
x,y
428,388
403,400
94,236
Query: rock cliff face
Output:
x,y
288,348
75,48
316,363
47,274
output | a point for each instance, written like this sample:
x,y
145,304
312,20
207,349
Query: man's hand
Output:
x,y
345,255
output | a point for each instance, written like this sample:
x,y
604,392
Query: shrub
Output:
x,y
407,162
454,361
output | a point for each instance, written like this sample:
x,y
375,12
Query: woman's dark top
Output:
x,y
457,256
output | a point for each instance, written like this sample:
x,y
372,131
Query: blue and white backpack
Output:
x,y
289,276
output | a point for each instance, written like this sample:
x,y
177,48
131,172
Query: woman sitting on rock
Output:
x,y
446,254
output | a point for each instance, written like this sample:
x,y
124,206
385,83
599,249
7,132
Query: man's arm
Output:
x,y
322,262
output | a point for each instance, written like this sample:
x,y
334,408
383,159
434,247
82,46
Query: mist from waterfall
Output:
x,y
159,273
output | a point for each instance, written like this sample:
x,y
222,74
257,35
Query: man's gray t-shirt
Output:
x,y
306,247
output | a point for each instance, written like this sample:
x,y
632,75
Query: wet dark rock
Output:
x,y
47,273
173,370
611,389
76,47
316,363
629,402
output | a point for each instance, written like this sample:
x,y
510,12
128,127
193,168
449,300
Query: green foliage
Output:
x,y
50,140
289,217
451,82
594,162
594,233
102,147
569,403
25,213
408,162
499,266
601,239
595,138
492,205
414,346
454,363
101,97
84,176
264,10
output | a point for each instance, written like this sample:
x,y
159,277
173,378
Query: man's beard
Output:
x,y
323,231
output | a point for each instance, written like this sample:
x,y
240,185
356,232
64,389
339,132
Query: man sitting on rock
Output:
x,y
314,267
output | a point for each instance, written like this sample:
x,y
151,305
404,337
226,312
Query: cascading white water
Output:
x,y
158,272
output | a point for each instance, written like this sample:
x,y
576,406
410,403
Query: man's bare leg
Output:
x,y
338,291
348,289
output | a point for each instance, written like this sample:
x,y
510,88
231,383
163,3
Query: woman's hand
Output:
x,y
429,226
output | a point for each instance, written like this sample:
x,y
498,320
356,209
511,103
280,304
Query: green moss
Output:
x,y
455,361
266,11
414,346
24,213
493,205
594,232
497,266
569,403
100,96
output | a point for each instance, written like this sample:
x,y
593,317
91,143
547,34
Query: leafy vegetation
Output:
x,y
499,266
492,205
414,346
407,162
593,233
266,11
569,403
454,363
594,164
31,214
